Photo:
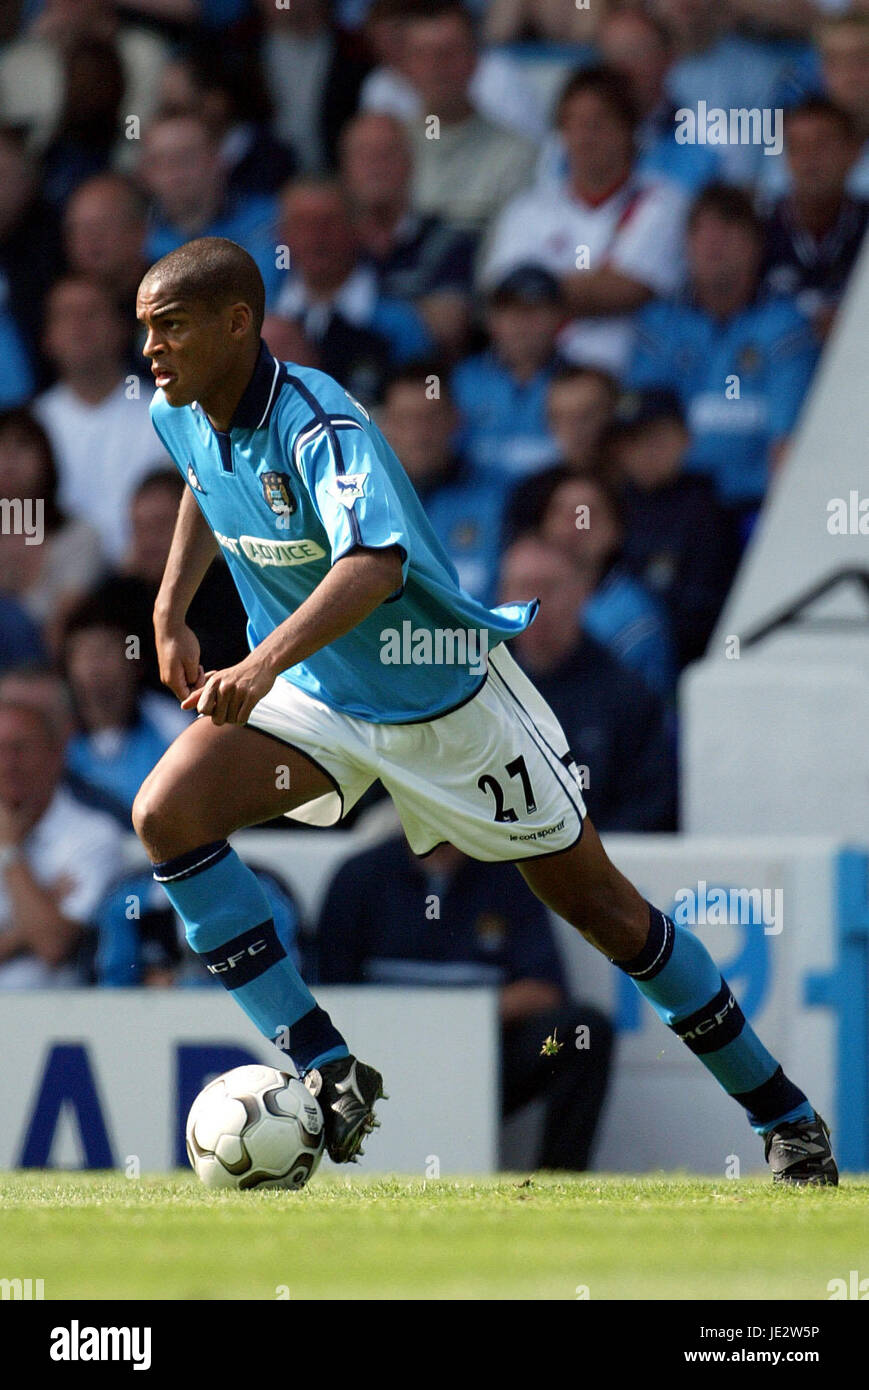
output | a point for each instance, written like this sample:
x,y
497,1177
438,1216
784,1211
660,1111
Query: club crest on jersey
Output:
x,y
347,488
193,480
276,490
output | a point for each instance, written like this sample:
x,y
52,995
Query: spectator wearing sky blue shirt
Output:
x,y
583,517
726,71
464,505
501,393
740,364
149,948
184,172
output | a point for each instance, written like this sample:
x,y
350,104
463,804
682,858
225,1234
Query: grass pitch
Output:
x,y
100,1235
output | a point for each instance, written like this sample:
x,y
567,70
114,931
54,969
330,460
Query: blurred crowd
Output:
x,y
587,326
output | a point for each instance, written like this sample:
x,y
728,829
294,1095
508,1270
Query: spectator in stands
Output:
x,y
232,99
57,856
313,73
334,295
726,70
47,560
184,172
740,364
96,417
89,122
287,341
499,89
447,920
580,406
636,44
464,505
814,235
30,249
36,684
843,41
602,233
31,67
123,730
678,541
422,260
465,166
127,595
583,516
151,949
501,393
105,225
615,726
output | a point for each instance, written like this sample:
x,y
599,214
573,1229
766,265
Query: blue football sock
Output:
x,y
229,924
677,975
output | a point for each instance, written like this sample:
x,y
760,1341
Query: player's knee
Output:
x,y
152,817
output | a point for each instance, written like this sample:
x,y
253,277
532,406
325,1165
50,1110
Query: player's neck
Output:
x,y
220,403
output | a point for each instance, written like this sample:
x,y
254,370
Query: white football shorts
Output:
x,y
494,777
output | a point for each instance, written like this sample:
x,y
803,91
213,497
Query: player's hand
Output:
x,y
230,695
178,655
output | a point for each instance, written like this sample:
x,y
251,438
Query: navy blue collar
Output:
x,y
259,396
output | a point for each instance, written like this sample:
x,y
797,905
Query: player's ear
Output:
x,y
240,320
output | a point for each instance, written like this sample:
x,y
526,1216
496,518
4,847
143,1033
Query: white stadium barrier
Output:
x,y
773,727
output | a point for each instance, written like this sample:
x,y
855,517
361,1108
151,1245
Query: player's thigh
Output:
x,y
582,885
216,779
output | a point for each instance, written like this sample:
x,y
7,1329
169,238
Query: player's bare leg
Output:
x,y
583,886
216,779
673,970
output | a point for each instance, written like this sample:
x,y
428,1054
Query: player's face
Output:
x,y
189,346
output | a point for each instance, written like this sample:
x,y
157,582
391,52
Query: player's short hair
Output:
x,y
728,203
605,83
216,272
822,108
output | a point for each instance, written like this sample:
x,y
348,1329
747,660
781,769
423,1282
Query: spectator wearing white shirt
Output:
x,y
57,856
465,166
614,240
96,417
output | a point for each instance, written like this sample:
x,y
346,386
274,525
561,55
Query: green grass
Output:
x,y
100,1235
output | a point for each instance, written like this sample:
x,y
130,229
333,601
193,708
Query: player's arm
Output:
x,y
192,551
355,585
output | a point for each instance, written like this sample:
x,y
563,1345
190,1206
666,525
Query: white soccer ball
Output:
x,y
255,1127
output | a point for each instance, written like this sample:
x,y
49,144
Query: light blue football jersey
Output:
x,y
301,477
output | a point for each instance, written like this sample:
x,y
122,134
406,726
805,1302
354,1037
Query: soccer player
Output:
x,y
367,660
